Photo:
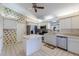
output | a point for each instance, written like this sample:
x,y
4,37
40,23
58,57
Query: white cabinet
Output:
x,y
73,44
75,22
51,39
1,34
49,26
65,23
33,43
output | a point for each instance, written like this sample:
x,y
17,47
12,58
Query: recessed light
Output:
x,y
48,17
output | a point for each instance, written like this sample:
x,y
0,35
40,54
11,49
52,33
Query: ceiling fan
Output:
x,y
35,7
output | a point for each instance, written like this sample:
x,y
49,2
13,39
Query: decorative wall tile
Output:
x,y
9,12
9,36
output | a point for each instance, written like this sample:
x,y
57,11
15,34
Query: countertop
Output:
x,y
31,36
63,34
68,35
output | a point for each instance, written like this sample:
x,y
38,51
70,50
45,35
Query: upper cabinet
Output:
x,y
75,22
68,23
65,23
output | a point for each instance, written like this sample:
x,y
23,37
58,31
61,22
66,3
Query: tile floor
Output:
x,y
13,50
18,50
45,51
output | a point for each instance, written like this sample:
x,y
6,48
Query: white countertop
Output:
x,y
31,36
69,36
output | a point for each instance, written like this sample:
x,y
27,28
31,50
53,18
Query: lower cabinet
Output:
x,y
73,45
73,42
33,44
51,39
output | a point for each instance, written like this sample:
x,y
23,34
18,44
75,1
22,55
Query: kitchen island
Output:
x,y
33,43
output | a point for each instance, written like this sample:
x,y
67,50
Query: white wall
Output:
x,y
18,8
10,23
21,31
31,23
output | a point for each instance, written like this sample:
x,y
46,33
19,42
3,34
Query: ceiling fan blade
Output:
x,y
35,9
34,5
40,7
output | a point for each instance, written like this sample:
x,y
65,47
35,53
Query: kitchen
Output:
x,y
54,27
67,36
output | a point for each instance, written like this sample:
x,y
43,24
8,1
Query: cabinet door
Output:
x,y
73,45
1,33
51,39
65,23
75,22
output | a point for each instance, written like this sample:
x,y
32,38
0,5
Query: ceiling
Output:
x,y
51,9
54,9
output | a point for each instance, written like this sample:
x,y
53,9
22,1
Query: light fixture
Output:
x,y
48,17
54,21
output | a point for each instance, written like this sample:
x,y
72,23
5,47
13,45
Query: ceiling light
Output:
x,y
48,17
54,21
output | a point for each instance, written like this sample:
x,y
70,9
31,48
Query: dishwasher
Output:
x,y
62,42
